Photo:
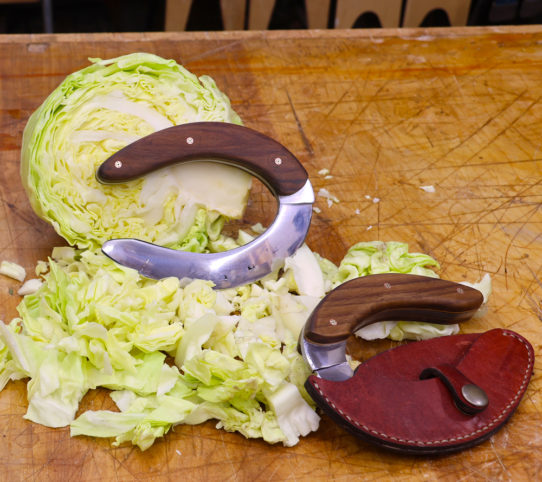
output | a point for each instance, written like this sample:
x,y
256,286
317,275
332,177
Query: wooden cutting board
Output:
x,y
387,112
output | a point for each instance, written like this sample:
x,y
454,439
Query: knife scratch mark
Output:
x,y
121,463
338,101
34,473
228,456
523,224
300,127
479,129
209,52
82,463
535,305
527,293
508,126
22,215
475,164
364,107
499,460
505,205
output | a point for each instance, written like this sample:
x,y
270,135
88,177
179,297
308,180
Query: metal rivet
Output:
x,y
474,395
460,290
118,164
278,161
387,285
190,140
333,322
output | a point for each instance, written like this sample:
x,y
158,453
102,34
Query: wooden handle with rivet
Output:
x,y
387,297
233,144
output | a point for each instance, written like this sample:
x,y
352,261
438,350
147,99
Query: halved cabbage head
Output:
x,y
100,109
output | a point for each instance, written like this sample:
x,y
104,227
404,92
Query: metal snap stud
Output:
x,y
475,395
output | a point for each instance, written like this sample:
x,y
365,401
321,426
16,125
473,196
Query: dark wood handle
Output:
x,y
246,148
386,297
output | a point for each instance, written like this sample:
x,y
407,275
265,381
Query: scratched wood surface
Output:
x,y
386,112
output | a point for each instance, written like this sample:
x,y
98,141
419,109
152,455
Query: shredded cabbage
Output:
x,y
95,323
29,286
97,111
13,270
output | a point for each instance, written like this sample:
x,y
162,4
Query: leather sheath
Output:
x,y
386,402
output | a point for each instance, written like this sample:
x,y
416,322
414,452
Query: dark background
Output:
x,y
70,16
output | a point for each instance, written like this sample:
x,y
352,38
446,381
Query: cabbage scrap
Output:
x,y
13,270
179,355
100,109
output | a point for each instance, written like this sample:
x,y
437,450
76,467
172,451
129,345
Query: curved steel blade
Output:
x,y
231,268
326,361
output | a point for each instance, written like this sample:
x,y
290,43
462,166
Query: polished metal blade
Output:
x,y
326,360
235,267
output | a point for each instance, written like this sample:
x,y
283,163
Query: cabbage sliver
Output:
x,y
102,108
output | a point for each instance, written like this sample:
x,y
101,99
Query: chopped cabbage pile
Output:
x,y
172,354
100,109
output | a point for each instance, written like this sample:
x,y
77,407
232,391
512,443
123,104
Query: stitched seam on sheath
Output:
x,y
456,438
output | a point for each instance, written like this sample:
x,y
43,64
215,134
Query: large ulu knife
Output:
x,y
433,396
231,144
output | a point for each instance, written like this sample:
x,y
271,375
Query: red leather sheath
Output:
x,y
386,403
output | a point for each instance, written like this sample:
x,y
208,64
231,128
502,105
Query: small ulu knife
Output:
x,y
433,396
382,297
231,144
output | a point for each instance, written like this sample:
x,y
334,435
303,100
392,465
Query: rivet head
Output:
x,y
460,290
278,161
474,395
190,140
333,322
118,164
387,285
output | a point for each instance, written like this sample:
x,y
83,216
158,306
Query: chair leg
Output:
x,y
47,13
317,13
233,14
387,11
260,13
417,10
177,12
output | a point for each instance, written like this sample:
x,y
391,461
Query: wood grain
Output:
x,y
386,112
389,297
237,145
